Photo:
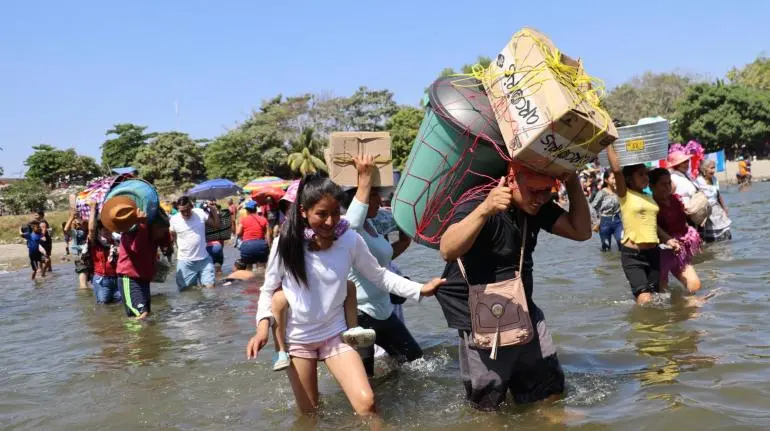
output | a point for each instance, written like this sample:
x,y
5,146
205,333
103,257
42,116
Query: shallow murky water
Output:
x,y
66,363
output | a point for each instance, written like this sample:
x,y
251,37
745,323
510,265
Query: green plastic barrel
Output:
x,y
458,148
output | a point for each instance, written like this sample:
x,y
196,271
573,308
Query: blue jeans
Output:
x,y
254,251
106,289
609,227
217,253
194,272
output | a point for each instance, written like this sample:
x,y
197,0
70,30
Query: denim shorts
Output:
x,y
194,272
106,289
254,251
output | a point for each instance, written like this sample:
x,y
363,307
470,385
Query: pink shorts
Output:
x,y
321,350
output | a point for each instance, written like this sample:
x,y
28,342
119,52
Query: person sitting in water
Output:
x,y
310,261
490,240
240,273
673,228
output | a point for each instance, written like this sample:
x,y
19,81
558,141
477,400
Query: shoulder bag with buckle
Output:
x,y
499,311
698,208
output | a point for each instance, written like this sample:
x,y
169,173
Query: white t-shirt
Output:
x,y
316,312
190,235
683,186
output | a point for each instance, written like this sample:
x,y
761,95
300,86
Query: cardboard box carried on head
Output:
x,y
547,110
343,146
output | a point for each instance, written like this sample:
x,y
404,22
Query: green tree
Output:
x,y
232,156
121,150
403,128
25,196
53,166
724,116
647,95
259,145
367,110
172,162
305,158
754,75
466,69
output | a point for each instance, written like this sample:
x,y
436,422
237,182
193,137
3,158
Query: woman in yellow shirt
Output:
x,y
640,255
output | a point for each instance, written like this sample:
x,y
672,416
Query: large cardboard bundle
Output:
x,y
343,146
547,107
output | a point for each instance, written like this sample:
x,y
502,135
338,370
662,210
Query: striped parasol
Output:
x,y
266,182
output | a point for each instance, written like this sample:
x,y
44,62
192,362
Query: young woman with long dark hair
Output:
x,y
310,261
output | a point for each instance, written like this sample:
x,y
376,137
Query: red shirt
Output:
x,y
672,218
101,258
138,253
254,227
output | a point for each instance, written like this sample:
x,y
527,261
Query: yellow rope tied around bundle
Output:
x,y
347,159
586,91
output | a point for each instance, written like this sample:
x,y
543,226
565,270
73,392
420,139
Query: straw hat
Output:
x,y
119,214
676,158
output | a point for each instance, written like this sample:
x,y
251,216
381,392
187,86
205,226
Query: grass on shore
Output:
x,y
9,226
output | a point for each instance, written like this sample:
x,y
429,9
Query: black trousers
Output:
x,y
392,336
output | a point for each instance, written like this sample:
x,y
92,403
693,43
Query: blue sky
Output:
x,y
70,70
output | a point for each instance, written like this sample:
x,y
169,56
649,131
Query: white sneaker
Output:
x,y
359,337
281,361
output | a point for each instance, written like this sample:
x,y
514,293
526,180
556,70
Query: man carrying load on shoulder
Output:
x,y
139,242
509,346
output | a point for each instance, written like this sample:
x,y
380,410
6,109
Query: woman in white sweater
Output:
x,y
311,261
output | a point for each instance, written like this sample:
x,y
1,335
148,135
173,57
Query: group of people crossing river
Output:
x,y
331,292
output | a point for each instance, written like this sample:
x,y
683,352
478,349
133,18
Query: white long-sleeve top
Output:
x,y
316,311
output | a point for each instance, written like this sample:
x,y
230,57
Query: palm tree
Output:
x,y
303,159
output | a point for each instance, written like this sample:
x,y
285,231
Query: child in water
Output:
x,y
355,336
34,237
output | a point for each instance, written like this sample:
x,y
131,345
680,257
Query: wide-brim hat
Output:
x,y
119,214
676,158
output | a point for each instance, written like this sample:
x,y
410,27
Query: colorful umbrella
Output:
x,y
260,195
266,182
214,189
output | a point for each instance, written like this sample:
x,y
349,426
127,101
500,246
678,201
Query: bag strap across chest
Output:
x,y
521,255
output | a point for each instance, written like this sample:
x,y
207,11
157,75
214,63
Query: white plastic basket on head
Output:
x,y
645,141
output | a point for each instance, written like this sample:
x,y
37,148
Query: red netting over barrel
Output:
x,y
443,189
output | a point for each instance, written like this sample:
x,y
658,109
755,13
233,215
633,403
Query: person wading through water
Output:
x,y
489,245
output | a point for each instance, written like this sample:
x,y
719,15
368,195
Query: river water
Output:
x,y
67,364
